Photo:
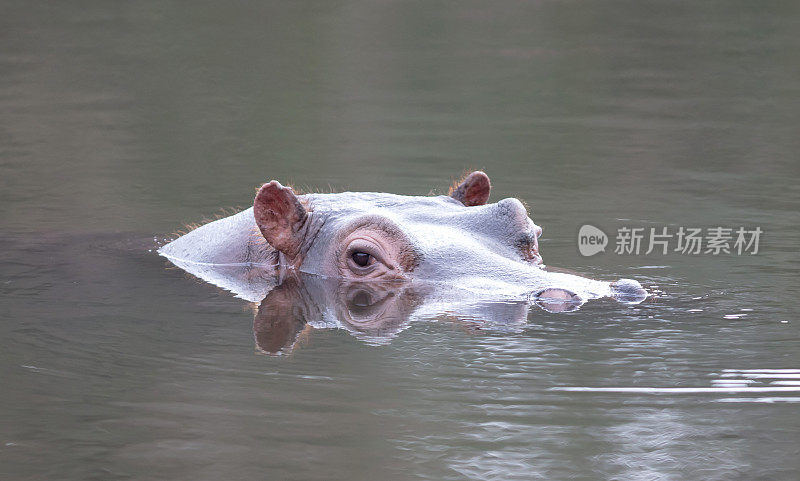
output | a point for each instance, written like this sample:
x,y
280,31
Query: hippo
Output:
x,y
440,248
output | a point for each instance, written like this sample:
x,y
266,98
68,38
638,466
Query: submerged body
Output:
x,y
448,243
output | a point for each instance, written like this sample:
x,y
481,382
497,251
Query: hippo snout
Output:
x,y
558,300
628,291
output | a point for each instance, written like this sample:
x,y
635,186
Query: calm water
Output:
x,y
121,122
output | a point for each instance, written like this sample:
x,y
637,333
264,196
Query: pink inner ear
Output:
x,y
280,217
473,190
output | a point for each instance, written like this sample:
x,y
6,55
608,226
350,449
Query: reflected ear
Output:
x,y
281,317
280,217
473,190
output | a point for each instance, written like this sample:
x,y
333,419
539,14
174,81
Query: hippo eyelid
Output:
x,y
408,257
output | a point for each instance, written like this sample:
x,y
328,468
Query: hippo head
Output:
x,y
377,236
373,263
451,242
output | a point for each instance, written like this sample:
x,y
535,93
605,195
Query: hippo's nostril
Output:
x,y
628,291
558,300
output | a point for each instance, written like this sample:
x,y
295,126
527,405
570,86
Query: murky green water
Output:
x,y
123,121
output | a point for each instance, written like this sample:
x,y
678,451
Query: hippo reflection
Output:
x,y
374,312
456,244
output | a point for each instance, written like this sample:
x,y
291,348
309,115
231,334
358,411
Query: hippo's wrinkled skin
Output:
x,y
439,247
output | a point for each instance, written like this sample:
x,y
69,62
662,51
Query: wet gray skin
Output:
x,y
456,246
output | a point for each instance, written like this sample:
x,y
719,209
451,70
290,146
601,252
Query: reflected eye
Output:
x,y
361,299
361,258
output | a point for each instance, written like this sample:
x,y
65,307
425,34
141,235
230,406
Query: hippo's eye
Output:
x,y
361,258
368,253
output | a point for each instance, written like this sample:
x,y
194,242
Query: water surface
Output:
x,y
124,122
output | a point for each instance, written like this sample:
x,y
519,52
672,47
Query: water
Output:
x,y
123,122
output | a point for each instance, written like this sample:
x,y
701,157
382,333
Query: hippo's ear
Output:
x,y
281,217
473,190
